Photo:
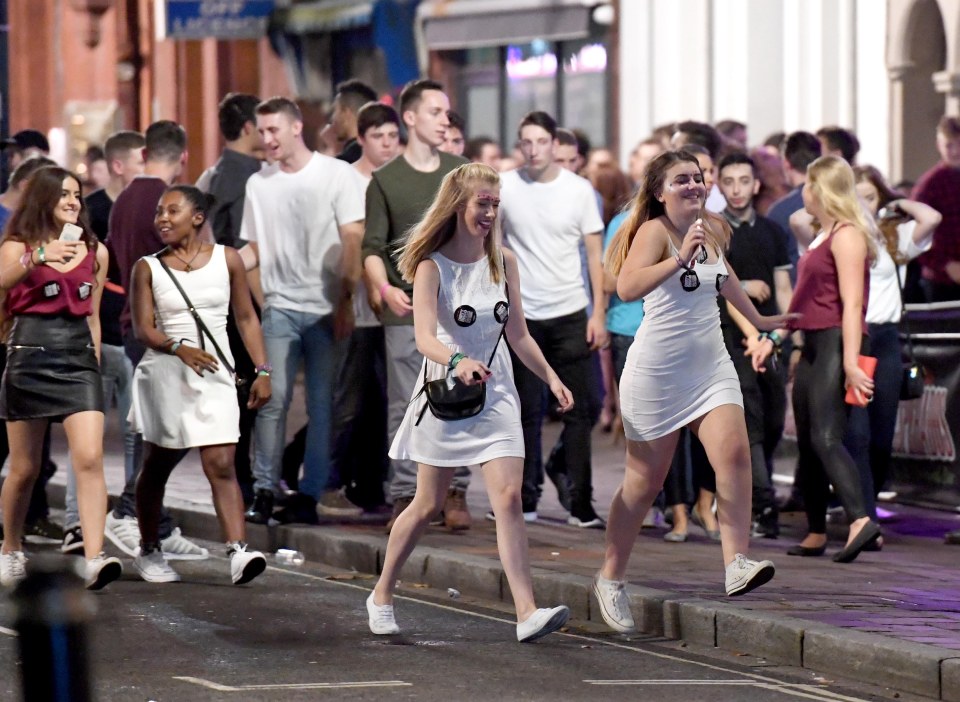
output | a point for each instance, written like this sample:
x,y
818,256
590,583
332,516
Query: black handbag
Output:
x,y
243,384
449,399
912,378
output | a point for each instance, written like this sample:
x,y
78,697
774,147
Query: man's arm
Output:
x,y
597,324
351,238
374,252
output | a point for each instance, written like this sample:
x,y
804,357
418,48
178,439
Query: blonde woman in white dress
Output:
x,y
465,290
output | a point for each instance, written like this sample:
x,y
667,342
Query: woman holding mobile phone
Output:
x,y
53,290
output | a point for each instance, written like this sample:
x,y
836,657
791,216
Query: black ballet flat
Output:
x,y
806,551
867,535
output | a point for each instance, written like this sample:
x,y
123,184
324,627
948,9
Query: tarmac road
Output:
x,y
300,633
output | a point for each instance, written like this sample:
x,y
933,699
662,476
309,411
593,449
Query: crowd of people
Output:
x,y
676,300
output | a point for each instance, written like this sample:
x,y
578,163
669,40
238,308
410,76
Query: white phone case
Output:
x,y
71,232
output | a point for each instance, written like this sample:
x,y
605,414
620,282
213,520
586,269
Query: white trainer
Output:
x,y
380,618
154,568
178,548
744,575
541,623
102,570
245,565
13,568
614,604
124,533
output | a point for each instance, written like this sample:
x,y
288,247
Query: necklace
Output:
x,y
186,264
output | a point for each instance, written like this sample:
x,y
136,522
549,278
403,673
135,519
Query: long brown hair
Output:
x,y
439,223
32,223
646,206
885,195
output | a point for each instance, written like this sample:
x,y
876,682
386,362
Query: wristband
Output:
x,y
26,260
455,359
41,256
173,347
384,287
264,369
680,263
775,338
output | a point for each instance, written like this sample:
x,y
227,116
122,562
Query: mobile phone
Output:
x,y
71,232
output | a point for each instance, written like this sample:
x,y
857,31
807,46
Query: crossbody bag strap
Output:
x,y
904,317
201,327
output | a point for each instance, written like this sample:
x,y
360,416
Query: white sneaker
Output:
x,y
177,548
530,517
13,568
380,618
245,565
102,570
541,623
744,575
154,568
614,604
124,533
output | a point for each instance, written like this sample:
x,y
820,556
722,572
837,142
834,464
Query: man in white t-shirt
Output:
x,y
303,219
546,212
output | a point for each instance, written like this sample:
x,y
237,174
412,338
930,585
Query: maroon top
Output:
x,y
817,293
48,291
132,234
940,188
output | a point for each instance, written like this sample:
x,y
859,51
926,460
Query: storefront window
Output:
x,y
531,81
585,89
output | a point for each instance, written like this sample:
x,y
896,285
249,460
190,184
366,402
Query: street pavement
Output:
x,y
891,618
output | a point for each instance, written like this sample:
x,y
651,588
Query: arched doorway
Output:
x,y
924,53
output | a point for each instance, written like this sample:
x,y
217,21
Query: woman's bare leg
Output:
x,y
85,438
218,466
26,447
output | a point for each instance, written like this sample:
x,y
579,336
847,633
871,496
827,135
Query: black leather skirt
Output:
x,y
52,370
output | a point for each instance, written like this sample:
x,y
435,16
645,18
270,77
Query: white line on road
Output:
x,y
210,685
8,632
794,689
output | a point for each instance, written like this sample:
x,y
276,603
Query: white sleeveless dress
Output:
x,y
678,368
467,309
174,407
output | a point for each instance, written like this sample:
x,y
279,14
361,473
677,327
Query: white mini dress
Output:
x,y
174,407
678,368
470,311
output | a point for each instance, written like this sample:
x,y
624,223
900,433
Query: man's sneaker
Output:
x,y
102,570
153,568
262,509
300,509
399,504
124,533
744,575
541,623
334,503
177,548
767,525
72,540
380,618
614,603
528,517
42,531
13,568
586,521
456,516
245,565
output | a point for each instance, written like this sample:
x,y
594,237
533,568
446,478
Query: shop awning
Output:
x,y
462,24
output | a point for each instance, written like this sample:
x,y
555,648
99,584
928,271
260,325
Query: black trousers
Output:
x,y
564,344
821,416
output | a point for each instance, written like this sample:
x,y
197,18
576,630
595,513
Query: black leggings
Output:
x,y
821,417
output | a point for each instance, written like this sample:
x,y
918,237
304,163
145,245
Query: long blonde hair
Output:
x,y
832,185
439,223
646,206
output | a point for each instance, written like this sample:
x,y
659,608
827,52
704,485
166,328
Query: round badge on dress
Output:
x,y
501,312
721,279
690,281
464,315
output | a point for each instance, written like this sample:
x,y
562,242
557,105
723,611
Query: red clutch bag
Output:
x,y
868,364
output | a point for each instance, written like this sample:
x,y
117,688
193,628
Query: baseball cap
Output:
x,y
26,139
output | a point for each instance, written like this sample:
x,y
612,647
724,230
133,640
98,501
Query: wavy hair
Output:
x,y
885,195
439,223
33,223
831,184
646,206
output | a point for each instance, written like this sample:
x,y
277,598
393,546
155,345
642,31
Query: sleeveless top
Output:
x,y
817,293
50,292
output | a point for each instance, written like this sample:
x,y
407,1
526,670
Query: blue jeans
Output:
x,y
291,336
116,372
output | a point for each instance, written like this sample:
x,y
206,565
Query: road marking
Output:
x,y
797,690
672,682
801,690
8,632
210,685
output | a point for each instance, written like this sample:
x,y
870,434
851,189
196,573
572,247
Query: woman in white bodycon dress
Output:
x,y
464,289
678,372
183,396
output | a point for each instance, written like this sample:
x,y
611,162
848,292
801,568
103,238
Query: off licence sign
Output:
x,y
220,19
